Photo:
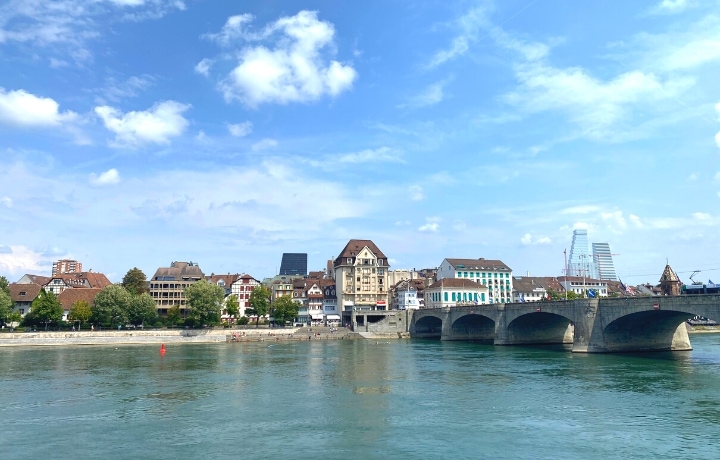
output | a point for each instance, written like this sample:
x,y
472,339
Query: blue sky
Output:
x,y
138,132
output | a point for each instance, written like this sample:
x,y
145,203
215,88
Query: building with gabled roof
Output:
x,y
669,282
361,277
69,297
22,296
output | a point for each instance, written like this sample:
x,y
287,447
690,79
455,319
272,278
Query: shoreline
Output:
x,y
170,336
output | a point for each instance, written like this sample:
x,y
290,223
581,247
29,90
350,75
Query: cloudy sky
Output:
x,y
138,132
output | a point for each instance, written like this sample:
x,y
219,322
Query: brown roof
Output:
x,y
316,275
479,264
669,275
353,247
228,279
38,279
457,283
68,297
529,283
30,292
179,271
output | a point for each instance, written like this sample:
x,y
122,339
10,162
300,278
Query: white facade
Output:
x,y
493,274
407,299
452,292
242,288
582,286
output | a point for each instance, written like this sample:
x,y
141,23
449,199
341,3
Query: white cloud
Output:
x,y
156,125
636,220
7,201
382,154
580,226
240,129
615,221
432,225
416,193
468,26
529,239
109,177
702,216
264,144
670,6
201,136
203,67
294,68
21,108
18,260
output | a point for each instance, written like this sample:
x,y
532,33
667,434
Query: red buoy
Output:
x,y
162,349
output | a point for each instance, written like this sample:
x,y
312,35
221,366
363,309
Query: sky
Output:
x,y
134,133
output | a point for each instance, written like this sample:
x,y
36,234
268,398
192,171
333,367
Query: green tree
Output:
x,y
232,306
259,303
80,311
46,308
173,315
6,305
111,306
142,309
4,285
205,302
135,281
284,309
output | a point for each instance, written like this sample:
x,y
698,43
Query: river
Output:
x,y
393,399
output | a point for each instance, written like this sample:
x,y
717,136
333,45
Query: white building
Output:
x,y
452,292
361,272
583,286
494,274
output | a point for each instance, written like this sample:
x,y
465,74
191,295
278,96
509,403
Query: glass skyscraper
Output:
x,y
603,259
581,261
293,263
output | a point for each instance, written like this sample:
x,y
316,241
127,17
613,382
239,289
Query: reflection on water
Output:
x,y
358,399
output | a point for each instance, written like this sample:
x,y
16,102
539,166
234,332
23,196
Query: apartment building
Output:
x,y
168,284
361,277
492,273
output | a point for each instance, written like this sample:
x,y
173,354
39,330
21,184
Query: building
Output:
x,y
70,297
580,262
408,294
669,282
452,292
330,309
493,274
603,258
242,287
361,271
66,266
529,289
59,283
22,296
294,264
167,286
584,286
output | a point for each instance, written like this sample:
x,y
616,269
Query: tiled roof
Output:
x,y
669,275
528,284
353,247
457,283
479,264
31,291
180,270
38,279
69,296
227,279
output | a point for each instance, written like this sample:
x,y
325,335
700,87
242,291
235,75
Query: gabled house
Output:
x,y
453,292
242,287
361,277
69,297
23,295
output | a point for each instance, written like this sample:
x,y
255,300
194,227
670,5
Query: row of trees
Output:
x,y
130,303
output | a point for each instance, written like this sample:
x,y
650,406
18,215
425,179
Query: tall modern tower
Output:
x,y
293,263
603,259
581,261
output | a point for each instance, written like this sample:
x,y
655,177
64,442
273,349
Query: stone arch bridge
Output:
x,y
591,325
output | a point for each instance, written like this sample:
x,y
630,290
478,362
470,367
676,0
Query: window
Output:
x,y
22,292
446,297
453,297
349,260
472,275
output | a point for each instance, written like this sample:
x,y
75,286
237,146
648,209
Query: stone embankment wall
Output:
x,y
111,337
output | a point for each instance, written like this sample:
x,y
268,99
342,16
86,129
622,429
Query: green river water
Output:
x,y
358,399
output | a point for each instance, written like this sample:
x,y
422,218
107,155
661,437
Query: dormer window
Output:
x,y
349,260
23,293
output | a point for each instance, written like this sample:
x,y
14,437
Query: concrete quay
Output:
x,y
111,337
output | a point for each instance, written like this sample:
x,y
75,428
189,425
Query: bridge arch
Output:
x,y
539,328
473,327
428,327
648,330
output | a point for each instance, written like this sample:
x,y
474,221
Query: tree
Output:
x,y
205,302
6,305
142,309
259,302
4,285
111,306
135,281
232,306
284,309
173,315
80,311
46,308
